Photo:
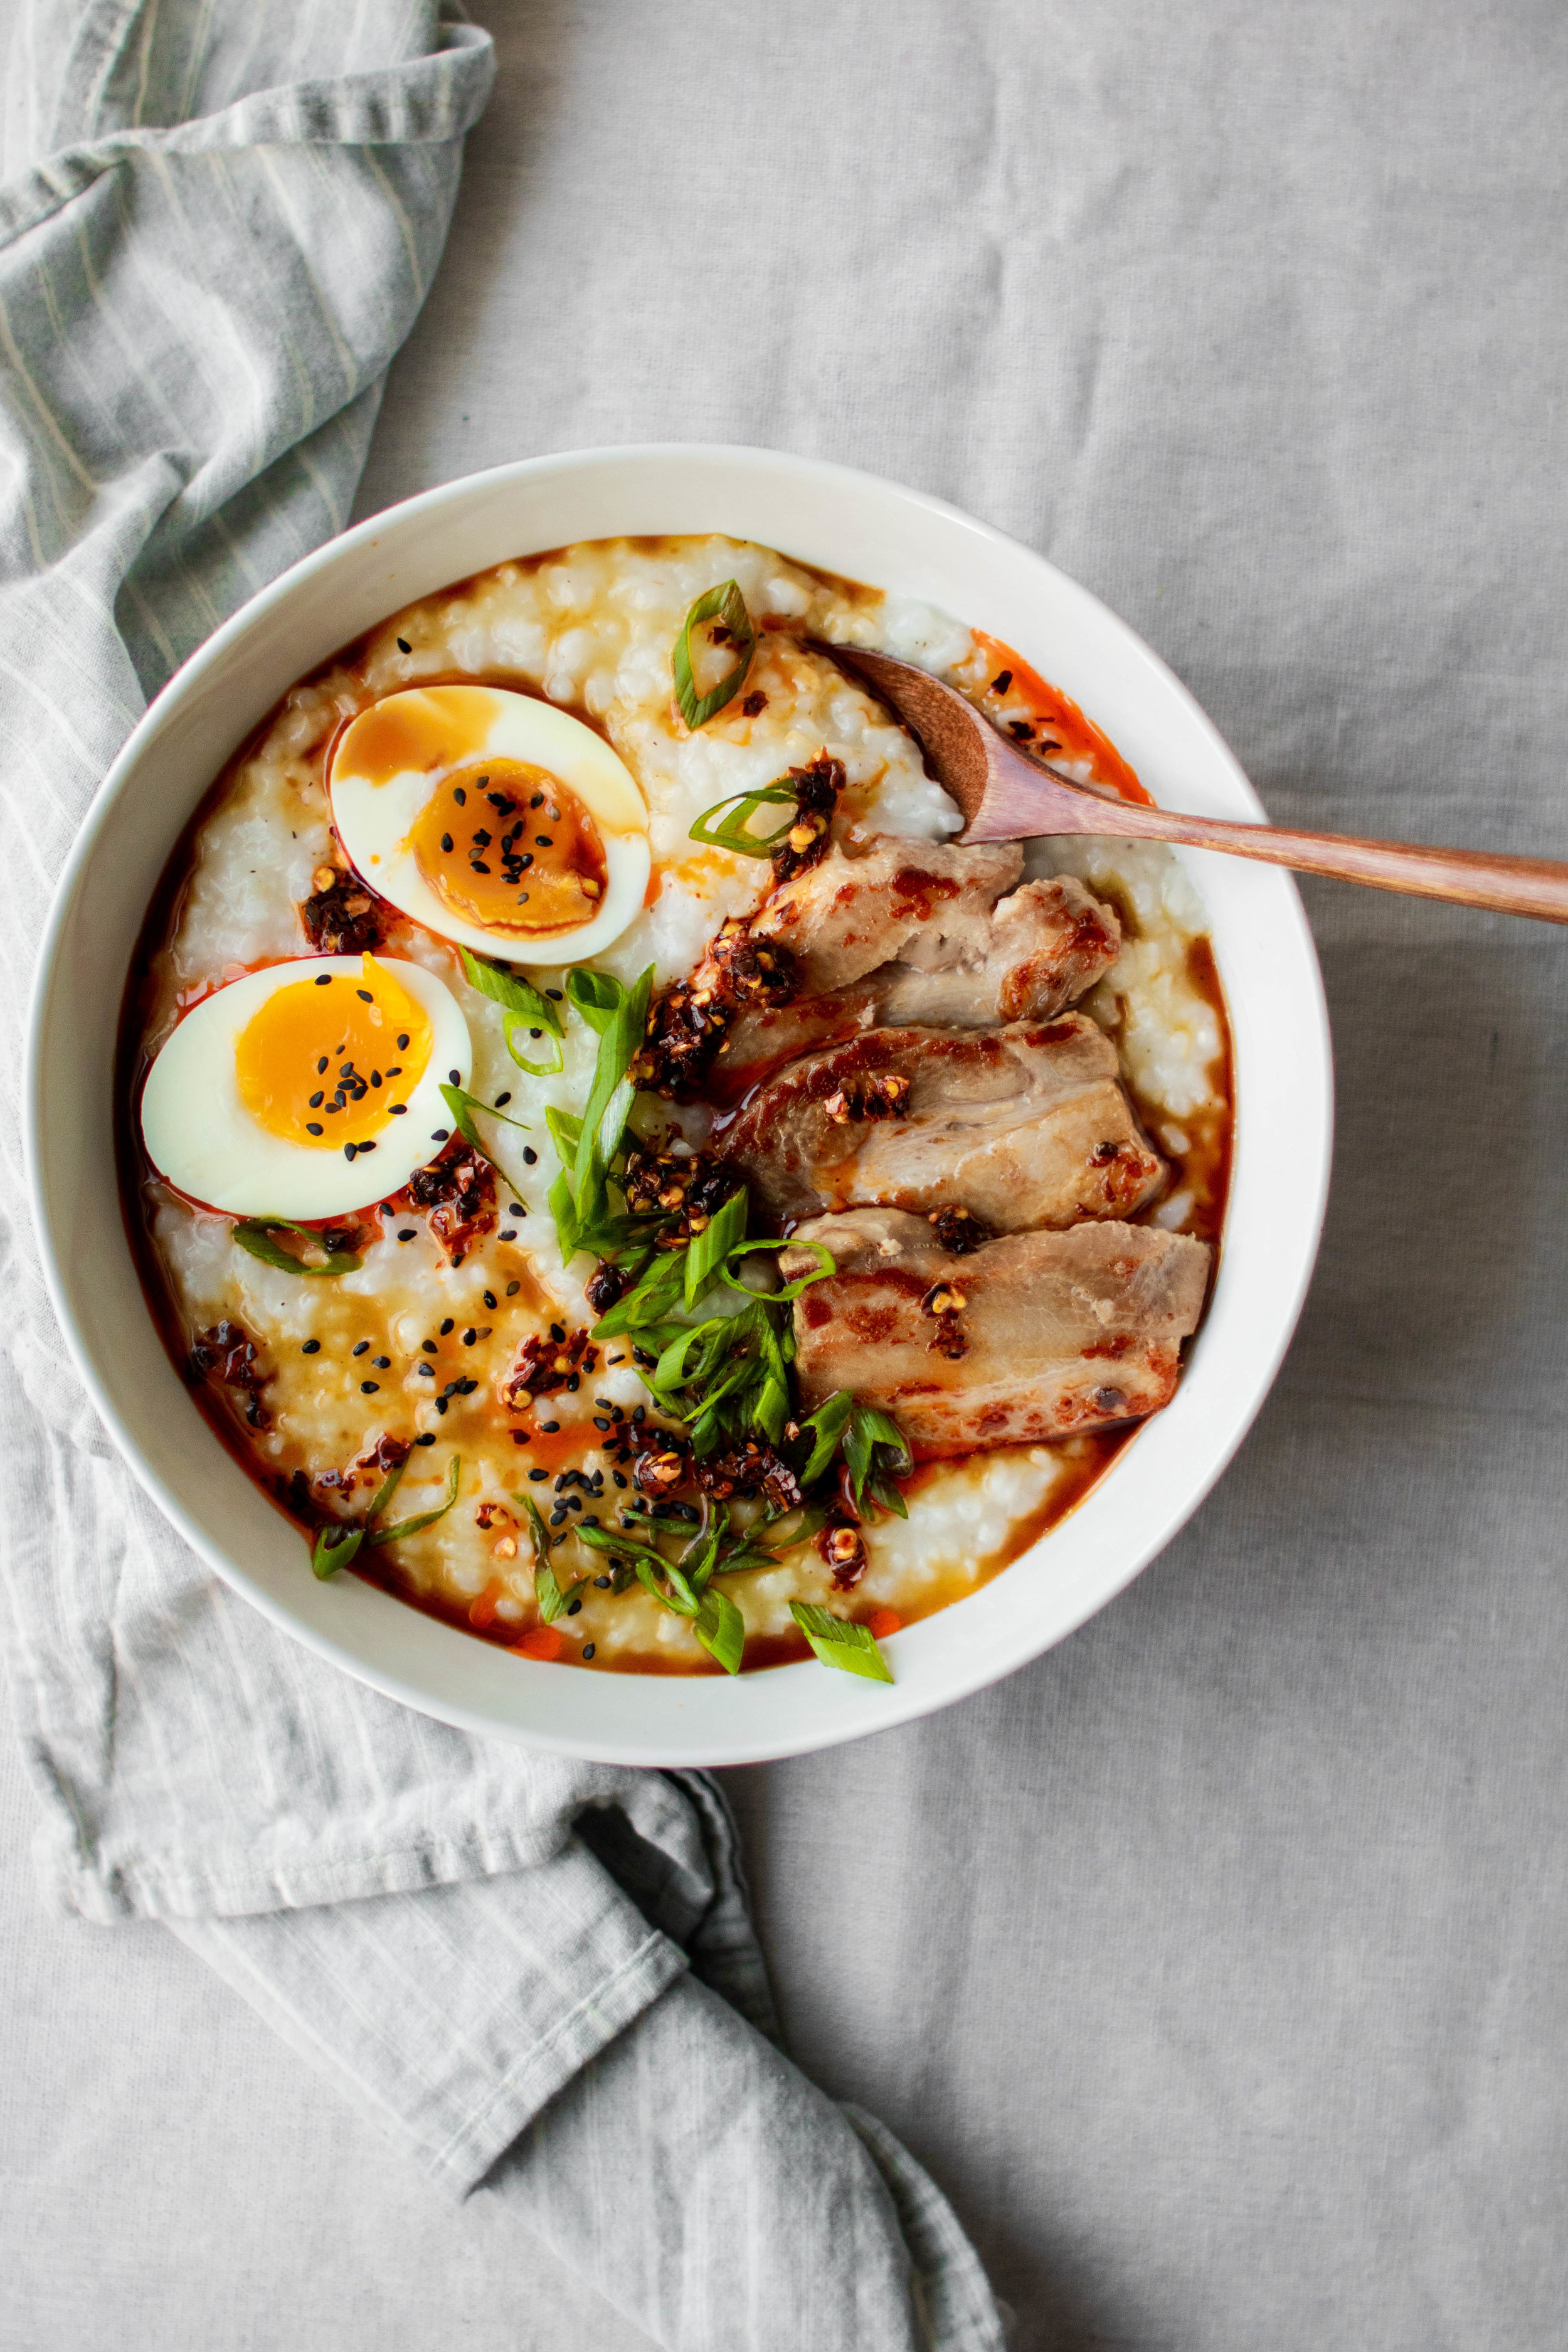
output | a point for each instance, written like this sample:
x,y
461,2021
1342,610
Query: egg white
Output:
x,y
202,1137
374,820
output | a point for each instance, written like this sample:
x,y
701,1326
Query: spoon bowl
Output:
x,y
1005,795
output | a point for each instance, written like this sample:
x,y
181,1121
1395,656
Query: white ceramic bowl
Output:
x,y
871,530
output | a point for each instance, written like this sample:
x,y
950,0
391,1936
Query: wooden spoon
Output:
x,y
1007,796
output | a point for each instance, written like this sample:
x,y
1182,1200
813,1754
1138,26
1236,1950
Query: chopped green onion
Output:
x,y
707,1250
827,1425
610,1099
726,605
870,1431
733,831
514,995
825,1266
722,1630
254,1234
596,995
333,1548
547,1589
522,1007
462,1107
566,1130
512,1026
421,1519
852,1648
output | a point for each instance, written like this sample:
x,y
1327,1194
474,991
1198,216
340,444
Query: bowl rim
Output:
x,y
895,1704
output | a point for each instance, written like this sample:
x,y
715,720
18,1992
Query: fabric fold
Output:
x,y
219,223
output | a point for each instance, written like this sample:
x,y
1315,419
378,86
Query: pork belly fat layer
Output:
x,y
1062,1332
1025,1126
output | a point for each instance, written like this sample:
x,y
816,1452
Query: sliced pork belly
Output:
x,y
844,916
1051,1334
1025,1126
945,952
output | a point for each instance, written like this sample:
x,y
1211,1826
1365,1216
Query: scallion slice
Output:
x,y
726,605
851,1648
255,1235
732,831
420,1519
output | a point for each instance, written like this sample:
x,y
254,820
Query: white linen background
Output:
x,y
1211,1964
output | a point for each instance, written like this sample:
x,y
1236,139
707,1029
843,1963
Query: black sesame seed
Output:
x,y
470,1336
489,1297
530,1160
557,1519
323,980
478,865
447,1326
397,1110
440,1404
381,1363
554,994
426,1371
617,1478
365,996
599,1422
375,1077
503,1100
455,1077
406,1232
510,1236
550,1427
574,1608
515,1208
536,1475
314,1127
363,1349
367,1147
543,841
369,1388
317,1100
312,1348
446,840
320,1066
460,796
557,1333
349,1150
440,1134
588,1650
481,838
403,1042
427,1439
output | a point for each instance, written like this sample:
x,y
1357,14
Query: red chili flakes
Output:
x,y
458,1192
544,1365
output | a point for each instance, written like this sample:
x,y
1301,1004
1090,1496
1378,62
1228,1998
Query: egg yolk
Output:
x,y
511,848
328,1061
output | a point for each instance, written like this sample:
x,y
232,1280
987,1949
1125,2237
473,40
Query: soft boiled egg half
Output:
x,y
495,820
309,1089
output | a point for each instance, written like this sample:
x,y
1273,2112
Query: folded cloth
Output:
x,y
217,222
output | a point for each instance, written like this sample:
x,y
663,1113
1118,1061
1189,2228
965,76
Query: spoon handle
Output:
x,y
1536,886
1024,801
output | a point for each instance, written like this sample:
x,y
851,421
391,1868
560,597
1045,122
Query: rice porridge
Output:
x,y
679,1334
